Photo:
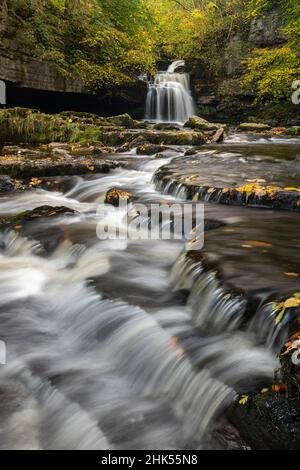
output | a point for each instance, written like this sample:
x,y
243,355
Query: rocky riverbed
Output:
x,y
201,343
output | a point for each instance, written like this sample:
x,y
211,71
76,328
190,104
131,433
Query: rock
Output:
x,y
32,127
271,420
6,184
196,122
138,141
294,131
166,127
218,136
115,195
58,164
192,151
265,30
268,422
150,149
253,127
27,216
184,137
123,120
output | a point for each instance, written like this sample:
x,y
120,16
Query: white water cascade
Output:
x,y
169,97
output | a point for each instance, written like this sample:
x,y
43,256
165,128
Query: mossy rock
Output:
x,y
37,213
294,131
19,125
254,127
150,149
196,122
115,195
123,120
155,137
268,421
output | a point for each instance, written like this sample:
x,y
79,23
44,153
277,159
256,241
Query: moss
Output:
x,y
254,126
115,195
196,122
294,131
30,126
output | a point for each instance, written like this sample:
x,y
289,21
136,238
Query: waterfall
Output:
x,y
169,96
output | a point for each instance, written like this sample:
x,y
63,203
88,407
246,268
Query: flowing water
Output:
x,y
122,344
169,97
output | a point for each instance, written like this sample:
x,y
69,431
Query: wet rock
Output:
x,y
196,122
271,420
219,136
254,127
16,221
192,151
138,141
208,178
115,195
23,168
268,422
6,184
150,149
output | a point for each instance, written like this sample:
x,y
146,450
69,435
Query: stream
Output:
x,y
129,344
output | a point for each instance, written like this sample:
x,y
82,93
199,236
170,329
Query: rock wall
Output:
x,y
265,30
25,71
223,96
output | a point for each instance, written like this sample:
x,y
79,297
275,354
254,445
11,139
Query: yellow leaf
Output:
x,y
279,317
258,243
243,399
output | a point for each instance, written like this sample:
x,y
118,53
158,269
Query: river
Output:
x,y
129,344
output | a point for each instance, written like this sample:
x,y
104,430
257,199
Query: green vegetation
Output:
x,y
109,42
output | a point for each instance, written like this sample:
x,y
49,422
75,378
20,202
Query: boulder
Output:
x,y
150,149
6,184
115,195
123,120
218,136
294,131
254,127
17,220
192,151
196,122
184,137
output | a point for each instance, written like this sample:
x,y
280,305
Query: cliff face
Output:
x,y
265,30
223,95
27,72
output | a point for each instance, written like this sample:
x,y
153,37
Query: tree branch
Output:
x,y
182,6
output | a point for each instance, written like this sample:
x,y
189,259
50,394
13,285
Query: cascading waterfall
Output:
x,y
169,97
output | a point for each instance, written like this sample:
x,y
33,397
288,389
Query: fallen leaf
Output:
x,y
258,243
243,399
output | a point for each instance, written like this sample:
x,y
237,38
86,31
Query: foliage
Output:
x,y
272,72
109,43
102,41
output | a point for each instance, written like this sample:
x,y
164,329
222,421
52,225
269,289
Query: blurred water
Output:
x,y
114,344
